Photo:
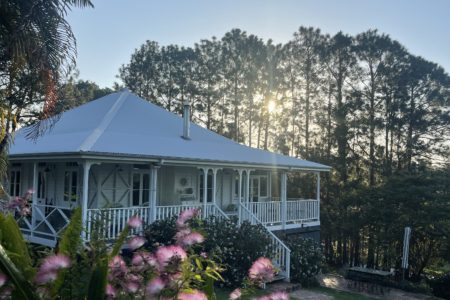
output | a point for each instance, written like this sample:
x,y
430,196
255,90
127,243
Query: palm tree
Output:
x,y
37,46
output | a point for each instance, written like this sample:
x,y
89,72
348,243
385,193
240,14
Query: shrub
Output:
x,y
160,232
306,260
440,286
235,246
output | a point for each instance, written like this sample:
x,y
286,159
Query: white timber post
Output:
x,y
247,187
283,200
214,184
318,196
239,196
205,191
34,197
153,191
84,205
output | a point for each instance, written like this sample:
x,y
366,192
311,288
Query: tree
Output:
x,y
36,47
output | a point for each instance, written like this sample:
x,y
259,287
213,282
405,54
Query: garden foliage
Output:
x,y
306,260
236,247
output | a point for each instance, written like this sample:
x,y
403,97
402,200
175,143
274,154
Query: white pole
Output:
x,y
283,200
247,188
240,186
153,191
240,196
34,197
405,256
214,181
205,190
318,196
86,168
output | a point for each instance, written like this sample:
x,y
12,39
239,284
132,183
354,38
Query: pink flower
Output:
x,y
165,254
262,270
3,279
132,286
155,286
135,222
54,263
117,268
110,291
204,254
193,295
136,242
185,216
45,277
117,262
236,294
279,296
26,211
191,239
142,260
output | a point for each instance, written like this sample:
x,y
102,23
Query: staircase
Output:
x,y
281,254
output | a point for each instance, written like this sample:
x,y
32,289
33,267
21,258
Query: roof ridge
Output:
x,y
87,144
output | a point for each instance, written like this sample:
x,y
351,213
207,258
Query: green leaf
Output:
x,y
12,240
97,284
22,287
69,245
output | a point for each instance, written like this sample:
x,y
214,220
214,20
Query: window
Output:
x,y
71,185
14,183
209,188
236,186
141,189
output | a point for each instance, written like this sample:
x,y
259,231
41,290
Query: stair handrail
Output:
x,y
221,212
276,241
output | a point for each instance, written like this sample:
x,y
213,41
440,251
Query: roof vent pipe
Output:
x,y
186,120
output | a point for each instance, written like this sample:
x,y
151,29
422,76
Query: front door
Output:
x,y
141,188
71,190
259,188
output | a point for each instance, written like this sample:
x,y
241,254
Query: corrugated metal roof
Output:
x,y
124,124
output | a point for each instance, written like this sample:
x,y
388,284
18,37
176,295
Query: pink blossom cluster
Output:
x,y
185,216
21,204
48,271
261,271
186,238
163,267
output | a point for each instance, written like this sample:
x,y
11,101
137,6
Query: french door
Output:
x,y
141,188
259,188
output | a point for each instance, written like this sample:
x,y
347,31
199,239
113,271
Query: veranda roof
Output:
x,y
122,124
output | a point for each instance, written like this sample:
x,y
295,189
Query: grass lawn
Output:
x,y
222,294
339,295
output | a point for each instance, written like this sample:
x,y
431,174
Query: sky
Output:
x,y
108,34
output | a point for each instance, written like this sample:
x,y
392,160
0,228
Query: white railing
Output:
x,y
111,221
267,212
302,210
280,253
168,211
47,221
270,213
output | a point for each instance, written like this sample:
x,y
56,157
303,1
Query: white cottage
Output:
x,y
120,155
